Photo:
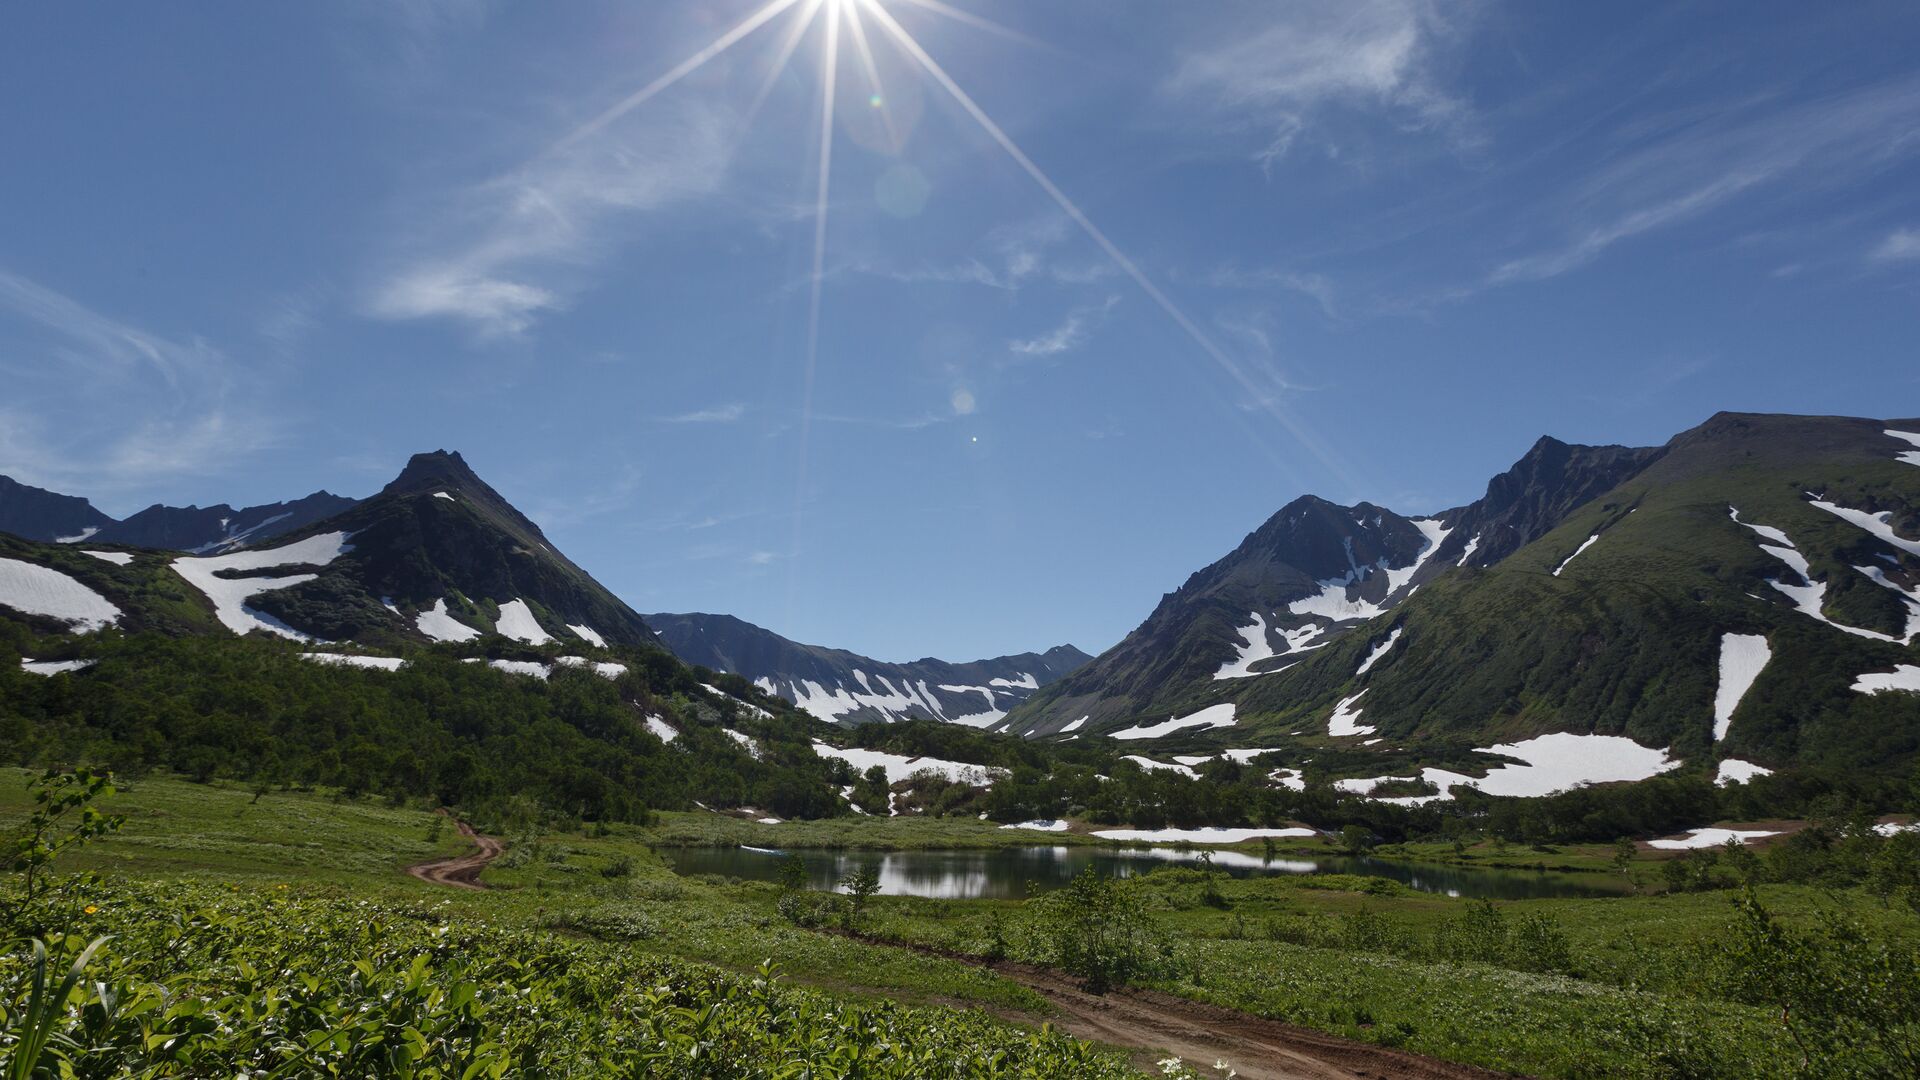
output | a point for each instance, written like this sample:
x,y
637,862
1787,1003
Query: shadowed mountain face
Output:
x,y
844,687
1714,597
33,513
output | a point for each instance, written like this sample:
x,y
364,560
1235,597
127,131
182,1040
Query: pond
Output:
x,y
1012,873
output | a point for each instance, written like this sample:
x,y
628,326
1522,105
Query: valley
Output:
x,y
1626,752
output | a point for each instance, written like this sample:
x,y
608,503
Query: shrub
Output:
x,y
1097,930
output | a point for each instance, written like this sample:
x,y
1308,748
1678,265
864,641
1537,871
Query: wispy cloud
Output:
x,y
155,406
719,414
515,246
1687,174
1279,73
1901,245
1071,334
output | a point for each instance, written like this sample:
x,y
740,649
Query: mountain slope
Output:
x,y
1312,571
33,513
844,687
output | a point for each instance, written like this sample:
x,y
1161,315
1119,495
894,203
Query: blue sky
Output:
x,y
254,250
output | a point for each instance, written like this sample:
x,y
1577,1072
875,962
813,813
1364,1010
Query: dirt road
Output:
x,y
1156,1025
462,872
1201,1034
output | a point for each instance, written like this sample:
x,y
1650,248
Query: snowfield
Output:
x,y
36,590
117,558
54,667
1380,650
1208,835
440,626
378,663
1213,716
1551,763
1332,602
517,622
588,634
1732,771
519,667
1345,718
230,594
1709,838
1742,658
1879,525
1903,677
1076,725
899,768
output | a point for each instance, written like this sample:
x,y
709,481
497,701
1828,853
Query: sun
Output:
x,y
863,23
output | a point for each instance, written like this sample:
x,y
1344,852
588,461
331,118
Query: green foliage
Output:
x,y
1851,1001
270,985
861,885
50,830
1097,930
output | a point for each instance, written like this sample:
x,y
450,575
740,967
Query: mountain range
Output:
x,y
844,687
37,514
1748,592
1743,598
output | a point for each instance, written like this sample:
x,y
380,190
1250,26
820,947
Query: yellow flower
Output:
x,y
90,909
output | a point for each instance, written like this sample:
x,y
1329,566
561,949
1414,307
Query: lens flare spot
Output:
x,y
877,102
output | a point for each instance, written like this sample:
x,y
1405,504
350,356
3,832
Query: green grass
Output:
x,y
1636,989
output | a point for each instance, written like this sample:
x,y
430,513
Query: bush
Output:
x,y
1097,930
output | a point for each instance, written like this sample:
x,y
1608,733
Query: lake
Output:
x,y
1013,873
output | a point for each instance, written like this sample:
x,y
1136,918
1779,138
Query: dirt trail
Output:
x,y
1156,1025
1201,1034
462,872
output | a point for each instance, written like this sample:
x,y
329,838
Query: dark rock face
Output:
x,y
33,513
220,528
845,687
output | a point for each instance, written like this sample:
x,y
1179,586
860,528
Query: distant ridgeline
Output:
x,y
1741,604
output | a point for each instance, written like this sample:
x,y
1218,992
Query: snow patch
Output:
x,y
378,663
588,634
1076,725
1732,771
1160,766
517,622
1742,658
1911,457
1903,677
1880,524
1708,838
1473,545
230,594
37,590
746,742
520,667
1810,599
1576,554
1042,825
662,730
117,558
83,534
440,626
604,670
1213,716
1208,835
444,495
1380,650
1346,716
747,705
899,767
54,667
1026,681
1254,648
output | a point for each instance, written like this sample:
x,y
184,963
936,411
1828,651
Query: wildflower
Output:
x,y
91,909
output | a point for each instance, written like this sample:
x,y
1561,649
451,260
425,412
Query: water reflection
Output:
x,y
1014,873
